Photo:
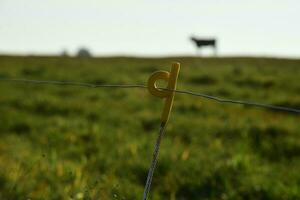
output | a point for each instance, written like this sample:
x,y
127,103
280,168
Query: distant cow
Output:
x,y
205,42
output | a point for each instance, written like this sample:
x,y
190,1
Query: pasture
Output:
x,y
65,142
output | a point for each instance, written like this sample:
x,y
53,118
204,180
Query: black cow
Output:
x,y
205,42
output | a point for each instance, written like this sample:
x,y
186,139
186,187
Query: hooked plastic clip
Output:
x,y
171,78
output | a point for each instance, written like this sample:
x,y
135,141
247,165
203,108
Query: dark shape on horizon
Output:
x,y
84,53
64,53
201,42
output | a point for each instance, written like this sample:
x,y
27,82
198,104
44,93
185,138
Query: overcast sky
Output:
x,y
150,28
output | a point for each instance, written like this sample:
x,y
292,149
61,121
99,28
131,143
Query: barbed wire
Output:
x,y
128,86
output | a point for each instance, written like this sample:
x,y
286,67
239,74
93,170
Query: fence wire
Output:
x,y
129,86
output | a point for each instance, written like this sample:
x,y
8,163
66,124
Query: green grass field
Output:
x,y
81,143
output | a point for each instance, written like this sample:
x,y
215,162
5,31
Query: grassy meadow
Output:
x,y
66,142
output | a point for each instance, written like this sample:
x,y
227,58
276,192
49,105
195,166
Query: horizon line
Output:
x,y
130,55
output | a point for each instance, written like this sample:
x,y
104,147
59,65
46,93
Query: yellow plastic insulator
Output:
x,y
171,78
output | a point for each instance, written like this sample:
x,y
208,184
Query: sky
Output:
x,y
150,28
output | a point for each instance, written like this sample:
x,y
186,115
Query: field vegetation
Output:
x,y
65,142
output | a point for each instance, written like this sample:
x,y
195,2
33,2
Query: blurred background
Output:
x,y
149,28
67,142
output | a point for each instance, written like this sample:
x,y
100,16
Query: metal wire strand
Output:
x,y
72,83
247,103
218,99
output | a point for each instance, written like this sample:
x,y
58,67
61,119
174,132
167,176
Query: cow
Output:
x,y
205,42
